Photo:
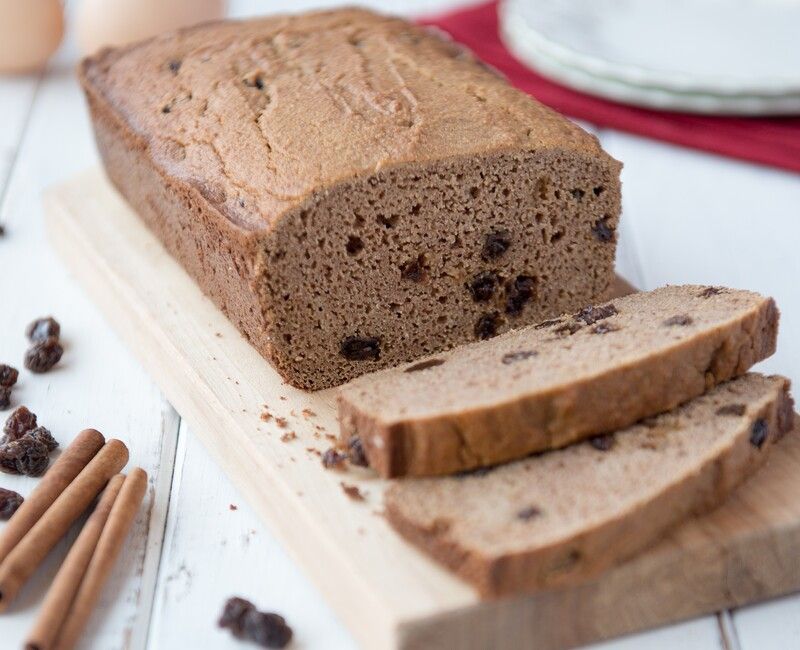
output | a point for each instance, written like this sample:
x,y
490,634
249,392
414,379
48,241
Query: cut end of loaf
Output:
x,y
434,204
417,259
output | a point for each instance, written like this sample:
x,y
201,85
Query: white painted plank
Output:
x,y
727,628
696,217
212,552
698,634
98,383
775,624
16,97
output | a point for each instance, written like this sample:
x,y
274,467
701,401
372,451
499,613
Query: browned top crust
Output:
x,y
259,114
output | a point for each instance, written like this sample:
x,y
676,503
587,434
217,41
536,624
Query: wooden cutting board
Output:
x,y
389,594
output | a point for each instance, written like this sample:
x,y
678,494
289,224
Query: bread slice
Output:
x,y
564,516
552,384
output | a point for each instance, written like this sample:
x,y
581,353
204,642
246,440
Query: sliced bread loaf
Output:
x,y
552,384
338,181
564,516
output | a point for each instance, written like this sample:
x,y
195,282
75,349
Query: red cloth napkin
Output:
x,y
771,141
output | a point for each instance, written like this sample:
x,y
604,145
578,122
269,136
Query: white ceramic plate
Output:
x,y
647,96
677,53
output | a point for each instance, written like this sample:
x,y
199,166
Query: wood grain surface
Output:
x,y
388,594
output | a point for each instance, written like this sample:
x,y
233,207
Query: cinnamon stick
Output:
x,y
69,464
31,550
108,548
68,579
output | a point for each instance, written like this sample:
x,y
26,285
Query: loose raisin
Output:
x,y
591,314
486,326
9,502
266,629
360,348
758,434
680,319
246,622
602,231
496,244
333,459
5,397
356,454
482,286
19,423
45,437
519,293
233,613
513,357
43,355
8,375
25,456
42,329
602,443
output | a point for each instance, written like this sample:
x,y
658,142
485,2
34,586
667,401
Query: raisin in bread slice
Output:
x,y
564,516
555,383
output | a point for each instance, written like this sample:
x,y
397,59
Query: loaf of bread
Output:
x,y
353,191
549,385
564,516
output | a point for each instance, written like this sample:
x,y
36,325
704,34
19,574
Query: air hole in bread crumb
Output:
x,y
474,192
599,190
415,270
390,221
354,245
541,187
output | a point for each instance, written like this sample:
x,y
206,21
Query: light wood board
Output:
x,y
390,595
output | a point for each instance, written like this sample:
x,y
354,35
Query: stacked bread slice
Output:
x,y
638,412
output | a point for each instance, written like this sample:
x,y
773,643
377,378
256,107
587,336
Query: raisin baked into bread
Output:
x,y
564,516
353,191
549,385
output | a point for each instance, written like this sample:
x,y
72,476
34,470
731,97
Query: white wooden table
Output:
x,y
688,217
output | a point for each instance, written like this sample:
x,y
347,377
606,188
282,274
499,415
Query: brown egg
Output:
x,y
117,22
30,31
